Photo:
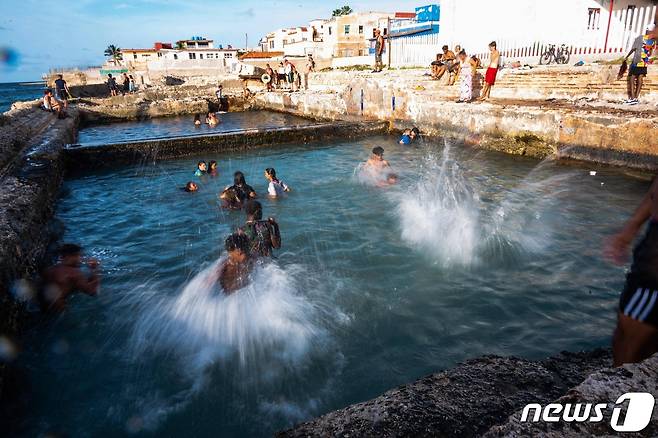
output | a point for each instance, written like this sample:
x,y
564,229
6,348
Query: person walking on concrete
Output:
x,y
379,49
642,48
492,71
310,68
62,89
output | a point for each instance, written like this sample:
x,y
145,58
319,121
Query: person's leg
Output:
x,y
484,94
630,86
441,72
638,86
633,340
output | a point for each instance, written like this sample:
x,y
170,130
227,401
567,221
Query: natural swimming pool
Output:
x,y
471,253
178,126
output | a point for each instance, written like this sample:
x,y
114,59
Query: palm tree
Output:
x,y
345,10
114,52
180,45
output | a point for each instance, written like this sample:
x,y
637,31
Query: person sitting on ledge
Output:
x,y
66,277
51,104
201,168
191,187
233,273
197,120
636,335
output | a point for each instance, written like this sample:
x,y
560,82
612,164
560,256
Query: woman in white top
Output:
x,y
466,72
276,187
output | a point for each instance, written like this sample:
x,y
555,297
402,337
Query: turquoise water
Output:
x,y
184,125
14,91
471,253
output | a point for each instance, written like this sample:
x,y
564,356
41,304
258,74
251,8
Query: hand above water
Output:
x,y
616,250
93,263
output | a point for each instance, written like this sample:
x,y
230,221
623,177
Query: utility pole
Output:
x,y
607,32
246,41
388,37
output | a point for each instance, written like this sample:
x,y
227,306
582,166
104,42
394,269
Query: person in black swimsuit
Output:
x,y
636,335
234,197
264,235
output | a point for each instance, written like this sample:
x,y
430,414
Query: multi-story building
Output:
x,y
196,42
136,59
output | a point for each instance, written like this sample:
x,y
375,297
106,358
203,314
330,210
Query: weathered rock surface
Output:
x,y
604,386
463,401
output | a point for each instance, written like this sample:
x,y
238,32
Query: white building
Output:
x,y
229,55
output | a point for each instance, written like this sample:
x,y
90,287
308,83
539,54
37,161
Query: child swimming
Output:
x,y
201,168
212,168
233,274
197,120
276,187
379,168
264,235
191,187
235,196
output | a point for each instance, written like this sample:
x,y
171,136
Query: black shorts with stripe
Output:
x,y
640,302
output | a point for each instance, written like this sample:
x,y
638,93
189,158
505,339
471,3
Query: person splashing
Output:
x,y
264,235
233,273
379,169
234,197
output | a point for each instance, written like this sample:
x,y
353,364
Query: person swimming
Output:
x,y
379,168
212,168
410,136
264,235
276,187
235,196
197,120
191,186
233,273
201,168
211,119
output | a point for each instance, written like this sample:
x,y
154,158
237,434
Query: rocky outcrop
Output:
x,y
464,401
146,151
604,386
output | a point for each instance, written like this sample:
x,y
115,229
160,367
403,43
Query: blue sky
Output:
x,y
70,33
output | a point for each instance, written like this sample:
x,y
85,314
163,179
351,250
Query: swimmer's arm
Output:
x,y
275,235
253,195
88,285
617,248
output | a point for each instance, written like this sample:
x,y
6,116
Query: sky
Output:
x,y
74,33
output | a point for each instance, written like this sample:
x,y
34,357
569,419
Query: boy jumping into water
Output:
x,y
66,277
234,272
264,236
636,335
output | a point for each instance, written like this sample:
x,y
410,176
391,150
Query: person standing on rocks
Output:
x,y
636,335
492,71
112,84
62,92
310,68
641,51
379,49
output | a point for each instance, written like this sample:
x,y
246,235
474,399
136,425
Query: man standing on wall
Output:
x,y
642,48
492,71
379,49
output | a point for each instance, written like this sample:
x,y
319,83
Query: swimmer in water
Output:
x,y
212,168
276,187
264,236
235,196
197,120
233,274
378,166
191,186
636,335
201,168
66,277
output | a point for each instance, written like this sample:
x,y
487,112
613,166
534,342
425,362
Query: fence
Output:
x,y
588,44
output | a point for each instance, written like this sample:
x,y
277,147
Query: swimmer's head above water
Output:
x,y
202,166
191,186
270,174
238,179
237,246
378,152
254,210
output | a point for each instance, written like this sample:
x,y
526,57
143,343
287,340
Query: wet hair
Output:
x,y
492,44
211,164
197,117
237,241
238,178
69,249
445,48
200,163
378,151
415,130
189,185
271,172
254,208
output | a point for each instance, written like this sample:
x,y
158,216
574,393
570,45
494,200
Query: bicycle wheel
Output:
x,y
546,58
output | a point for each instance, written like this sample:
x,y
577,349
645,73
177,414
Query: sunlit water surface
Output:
x,y
471,253
184,126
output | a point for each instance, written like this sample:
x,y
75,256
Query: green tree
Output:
x,y
180,45
345,10
113,52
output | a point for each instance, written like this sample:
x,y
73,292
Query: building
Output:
x,y
196,42
137,58
289,39
350,35
229,55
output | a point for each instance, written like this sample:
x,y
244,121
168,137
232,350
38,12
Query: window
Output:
x,y
175,56
360,30
329,30
272,44
630,16
593,18
134,55
285,42
200,55
159,55
192,55
347,29
228,55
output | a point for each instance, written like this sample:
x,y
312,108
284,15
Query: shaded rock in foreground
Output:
x,y
464,401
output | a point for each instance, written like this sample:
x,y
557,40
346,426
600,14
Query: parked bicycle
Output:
x,y
559,56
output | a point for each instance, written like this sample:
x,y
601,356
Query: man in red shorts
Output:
x,y
490,77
